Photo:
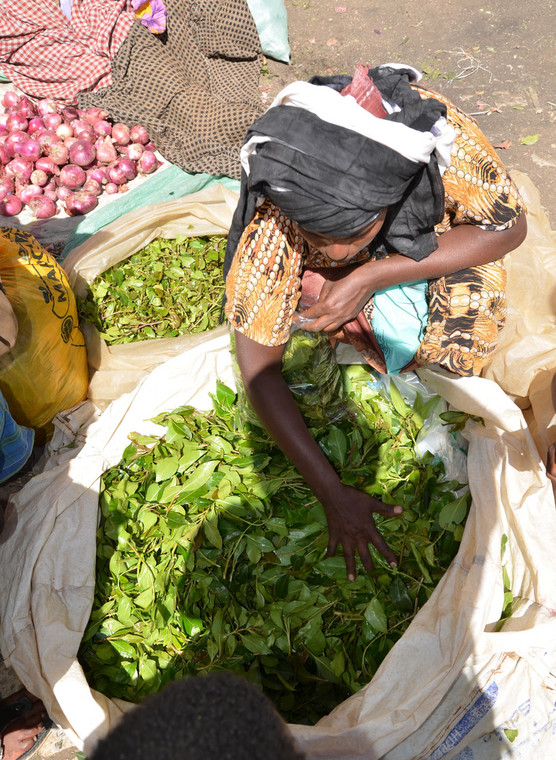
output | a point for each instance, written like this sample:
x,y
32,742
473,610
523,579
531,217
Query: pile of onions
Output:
x,y
52,155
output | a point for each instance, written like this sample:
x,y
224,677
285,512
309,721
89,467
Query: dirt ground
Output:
x,y
495,59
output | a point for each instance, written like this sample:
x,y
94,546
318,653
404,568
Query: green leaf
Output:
x,y
454,512
375,616
199,477
511,734
397,400
210,529
399,595
165,468
529,139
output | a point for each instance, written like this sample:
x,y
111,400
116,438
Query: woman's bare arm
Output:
x,y
463,246
349,512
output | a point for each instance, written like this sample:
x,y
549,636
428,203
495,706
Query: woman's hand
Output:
x,y
340,301
349,513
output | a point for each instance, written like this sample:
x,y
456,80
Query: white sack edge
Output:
x,y
48,554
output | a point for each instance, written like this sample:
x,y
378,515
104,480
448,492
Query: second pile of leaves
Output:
x,y
212,549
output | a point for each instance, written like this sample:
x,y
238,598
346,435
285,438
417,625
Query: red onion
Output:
x,y
43,208
102,128
47,138
69,113
83,130
120,133
36,125
46,164
39,177
97,173
52,120
14,140
69,142
28,149
49,192
150,146
6,187
46,106
4,155
10,99
27,193
10,206
80,203
134,151
82,153
72,176
116,175
93,114
16,121
106,153
111,188
92,186
63,192
64,131
139,134
127,166
26,108
148,162
20,168
58,153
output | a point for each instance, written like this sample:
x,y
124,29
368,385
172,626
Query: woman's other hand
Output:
x,y
340,300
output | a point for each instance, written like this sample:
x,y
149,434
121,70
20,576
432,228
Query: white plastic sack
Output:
x,y
445,662
117,369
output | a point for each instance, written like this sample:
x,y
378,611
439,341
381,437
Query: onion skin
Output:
x,y
58,154
43,207
82,153
10,206
120,133
72,176
139,134
80,203
148,163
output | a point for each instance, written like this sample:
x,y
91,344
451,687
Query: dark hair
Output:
x,y
219,716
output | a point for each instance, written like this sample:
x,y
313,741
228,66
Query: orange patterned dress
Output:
x,y
466,309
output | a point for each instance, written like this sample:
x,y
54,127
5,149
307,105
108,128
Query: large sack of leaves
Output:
x,y
46,370
116,369
473,675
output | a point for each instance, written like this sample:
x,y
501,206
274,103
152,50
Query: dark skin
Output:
x,y
349,512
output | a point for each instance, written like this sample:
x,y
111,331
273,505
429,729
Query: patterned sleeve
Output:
x,y
264,283
478,188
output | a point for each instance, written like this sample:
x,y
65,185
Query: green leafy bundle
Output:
x,y
212,553
169,288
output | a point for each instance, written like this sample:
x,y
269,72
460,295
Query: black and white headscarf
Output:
x,y
332,167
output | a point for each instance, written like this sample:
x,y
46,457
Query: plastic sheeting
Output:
x,y
452,687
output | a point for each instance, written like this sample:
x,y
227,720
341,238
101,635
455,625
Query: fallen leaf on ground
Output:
x,y
529,140
331,41
504,144
311,41
340,9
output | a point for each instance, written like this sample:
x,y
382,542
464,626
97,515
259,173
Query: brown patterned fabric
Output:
x,y
466,309
195,89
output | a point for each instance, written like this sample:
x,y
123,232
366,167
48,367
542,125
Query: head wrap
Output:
x,y
331,166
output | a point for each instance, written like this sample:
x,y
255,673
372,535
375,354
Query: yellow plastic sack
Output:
x,y
46,370
117,369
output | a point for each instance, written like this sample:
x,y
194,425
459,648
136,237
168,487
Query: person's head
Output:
x,y
219,716
332,166
345,248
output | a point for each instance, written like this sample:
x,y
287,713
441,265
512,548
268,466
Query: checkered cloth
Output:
x,y
45,55
194,89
